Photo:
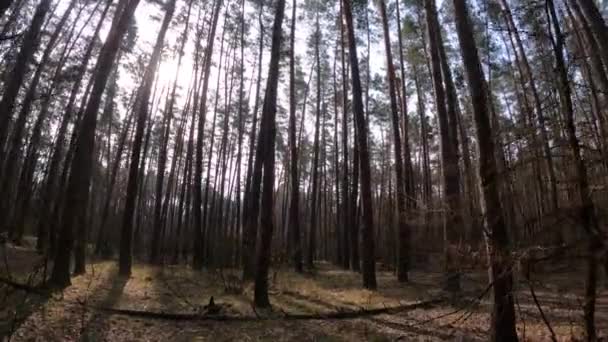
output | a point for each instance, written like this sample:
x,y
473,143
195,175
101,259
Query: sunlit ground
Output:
x,y
76,314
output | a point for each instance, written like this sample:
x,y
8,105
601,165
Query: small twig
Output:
x,y
521,316
542,313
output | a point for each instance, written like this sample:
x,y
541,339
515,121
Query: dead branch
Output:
x,y
541,311
339,315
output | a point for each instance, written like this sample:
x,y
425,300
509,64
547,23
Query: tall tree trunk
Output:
x,y
449,158
198,155
101,247
407,154
142,108
14,147
49,190
497,240
544,138
74,214
25,187
243,108
590,46
350,229
587,213
19,71
162,157
294,205
425,159
598,26
312,234
369,262
403,243
265,155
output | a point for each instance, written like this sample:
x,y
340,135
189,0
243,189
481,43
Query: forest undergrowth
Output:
x,y
172,303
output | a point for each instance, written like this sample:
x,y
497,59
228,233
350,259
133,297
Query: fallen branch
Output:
x,y
541,311
290,317
340,314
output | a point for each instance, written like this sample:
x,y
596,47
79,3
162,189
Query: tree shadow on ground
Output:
x,y
179,289
98,323
383,322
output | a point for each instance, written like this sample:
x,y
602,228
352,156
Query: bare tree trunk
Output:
x,y
294,205
249,229
587,213
49,192
10,171
74,214
350,233
369,262
101,245
18,72
312,234
142,108
449,158
403,244
25,187
537,104
198,165
265,155
503,313
598,26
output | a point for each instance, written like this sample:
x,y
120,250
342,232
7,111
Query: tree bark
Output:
x,y
198,155
587,213
81,169
294,205
369,262
14,148
141,109
598,26
49,191
449,158
265,155
403,230
503,313
18,72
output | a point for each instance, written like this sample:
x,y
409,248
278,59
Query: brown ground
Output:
x,y
177,289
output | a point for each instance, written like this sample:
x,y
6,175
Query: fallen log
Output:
x,y
338,315
205,316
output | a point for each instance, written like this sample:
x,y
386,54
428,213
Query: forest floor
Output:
x,y
83,311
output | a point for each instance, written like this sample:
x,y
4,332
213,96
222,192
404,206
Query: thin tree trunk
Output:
x,y
142,108
403,235
49,196
312,234
294,205
350,229
18,72
587,213
198,155
14,147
